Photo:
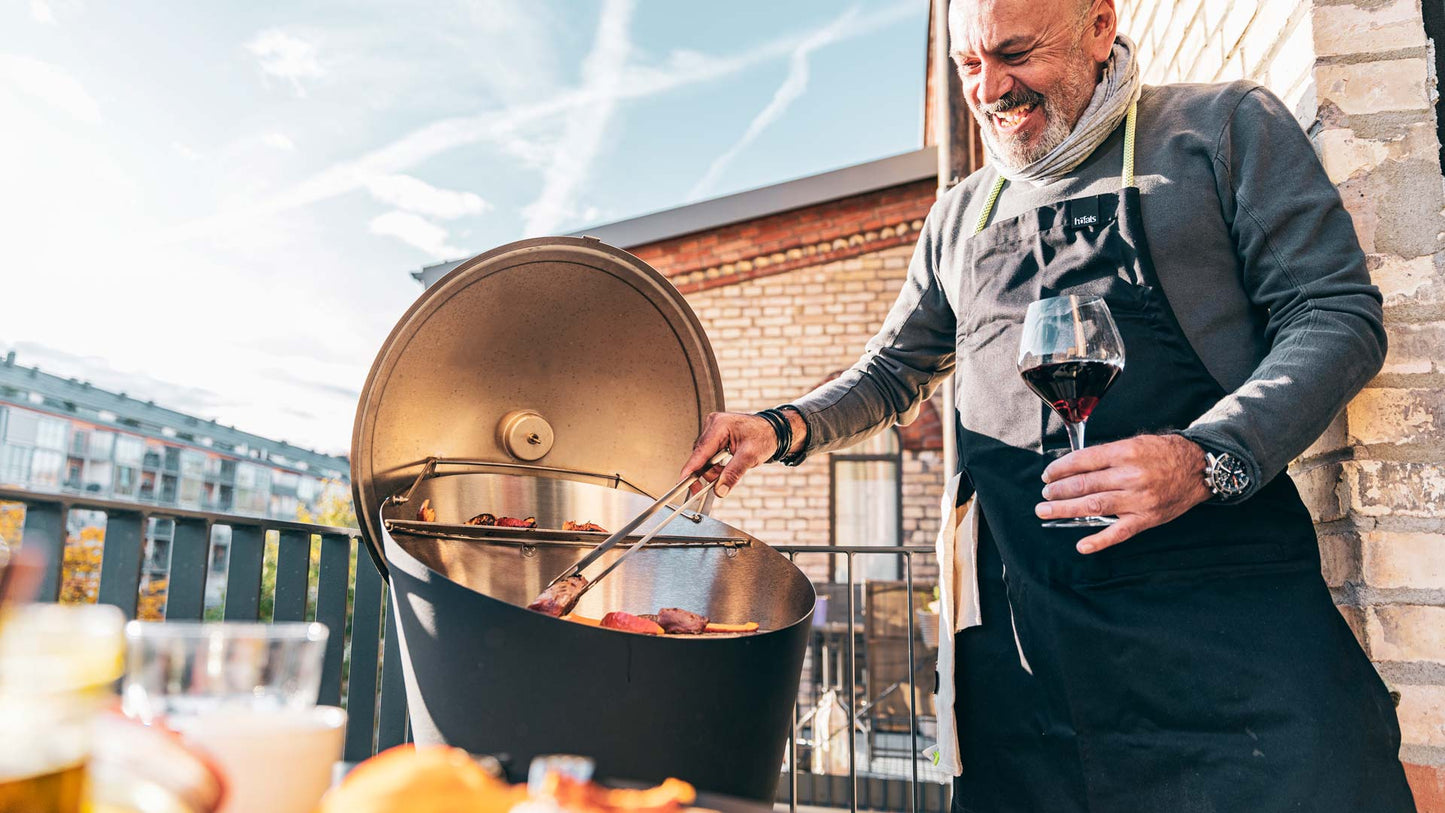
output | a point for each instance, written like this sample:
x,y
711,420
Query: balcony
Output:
x,y
863,710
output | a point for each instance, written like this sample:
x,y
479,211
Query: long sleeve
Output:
x,y
1301,265
901,365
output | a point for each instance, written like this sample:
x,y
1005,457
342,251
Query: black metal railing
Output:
x,y
323,573
902,785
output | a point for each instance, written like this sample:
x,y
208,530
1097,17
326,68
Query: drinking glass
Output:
x,y
246,693
1070,355
58,666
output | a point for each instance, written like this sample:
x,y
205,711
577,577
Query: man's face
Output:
x,y
1029,68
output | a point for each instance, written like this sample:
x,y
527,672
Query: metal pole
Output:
x,y
793,742
852,691
944,135
912,691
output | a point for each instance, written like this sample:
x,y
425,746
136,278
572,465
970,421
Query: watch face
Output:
x,y
1230,477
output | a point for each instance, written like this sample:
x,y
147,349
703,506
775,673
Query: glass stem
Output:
x,y
1076,434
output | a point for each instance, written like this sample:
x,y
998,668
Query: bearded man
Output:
x,y
1187,657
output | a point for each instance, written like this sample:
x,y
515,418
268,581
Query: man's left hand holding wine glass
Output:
x,y
1145,481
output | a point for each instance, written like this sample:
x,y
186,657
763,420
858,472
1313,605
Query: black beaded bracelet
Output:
x,y
782,429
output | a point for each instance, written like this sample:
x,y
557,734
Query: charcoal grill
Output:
x,y
565,379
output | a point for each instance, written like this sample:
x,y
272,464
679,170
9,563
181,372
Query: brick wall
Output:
x,y
1358,75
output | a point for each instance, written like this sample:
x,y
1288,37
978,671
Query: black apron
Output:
x,y
1199,666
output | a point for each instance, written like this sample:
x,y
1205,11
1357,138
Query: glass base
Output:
x,y
1080,522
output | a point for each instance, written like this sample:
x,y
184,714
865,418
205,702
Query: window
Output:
x,y
22,428
866,504
193,472
126,480
129,451
50,434
253,489
101,444
45,468
15,464
79,442
308,489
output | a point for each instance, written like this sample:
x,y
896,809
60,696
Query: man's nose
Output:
x,y
994,83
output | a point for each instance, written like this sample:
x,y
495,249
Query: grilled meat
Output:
x,y
560,598
569,525
502,522
675,621
426,513
627,622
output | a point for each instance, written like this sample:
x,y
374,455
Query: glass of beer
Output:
x,y
58,666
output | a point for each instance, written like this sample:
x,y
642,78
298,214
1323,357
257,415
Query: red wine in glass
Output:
x,y
1070,355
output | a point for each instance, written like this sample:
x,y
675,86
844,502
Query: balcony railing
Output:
x,y
869,667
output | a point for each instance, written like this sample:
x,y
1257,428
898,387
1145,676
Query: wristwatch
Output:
x,y
1225,475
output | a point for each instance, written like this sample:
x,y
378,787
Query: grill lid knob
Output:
x,y
525,434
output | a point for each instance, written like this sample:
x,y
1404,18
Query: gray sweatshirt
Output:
x,y
1254,251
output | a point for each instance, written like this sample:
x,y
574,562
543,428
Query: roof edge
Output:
x,y
809,190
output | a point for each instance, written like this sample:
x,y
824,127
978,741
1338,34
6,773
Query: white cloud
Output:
x,y
279,141
416,231
48,84
792,88
41,12
286,56
572,159
419,197
185,151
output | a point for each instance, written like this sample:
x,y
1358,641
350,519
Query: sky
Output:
x,y
217,206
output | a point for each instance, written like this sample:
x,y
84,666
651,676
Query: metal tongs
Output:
x,y
720,459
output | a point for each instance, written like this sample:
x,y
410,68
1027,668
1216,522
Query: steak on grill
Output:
x,y
559,599
677,621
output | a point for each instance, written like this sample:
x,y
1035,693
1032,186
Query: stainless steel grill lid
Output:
x,y
557,352
556,377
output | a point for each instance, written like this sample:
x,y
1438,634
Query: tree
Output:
x,y
12,522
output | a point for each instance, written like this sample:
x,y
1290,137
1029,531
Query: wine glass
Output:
x,y
1069,356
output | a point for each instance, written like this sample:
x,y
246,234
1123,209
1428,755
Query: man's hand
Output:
x,y
1145,481
751,440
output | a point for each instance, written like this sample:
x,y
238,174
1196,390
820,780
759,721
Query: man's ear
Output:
x,y
1100,27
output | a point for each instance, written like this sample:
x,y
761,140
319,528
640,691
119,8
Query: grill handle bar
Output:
x,y
430,464
721,458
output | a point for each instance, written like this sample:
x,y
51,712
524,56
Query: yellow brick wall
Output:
x,y
1358,75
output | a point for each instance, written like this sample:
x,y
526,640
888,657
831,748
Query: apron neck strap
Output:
x,y
1127,175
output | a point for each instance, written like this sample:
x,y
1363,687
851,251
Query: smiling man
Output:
x,y
1188,656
